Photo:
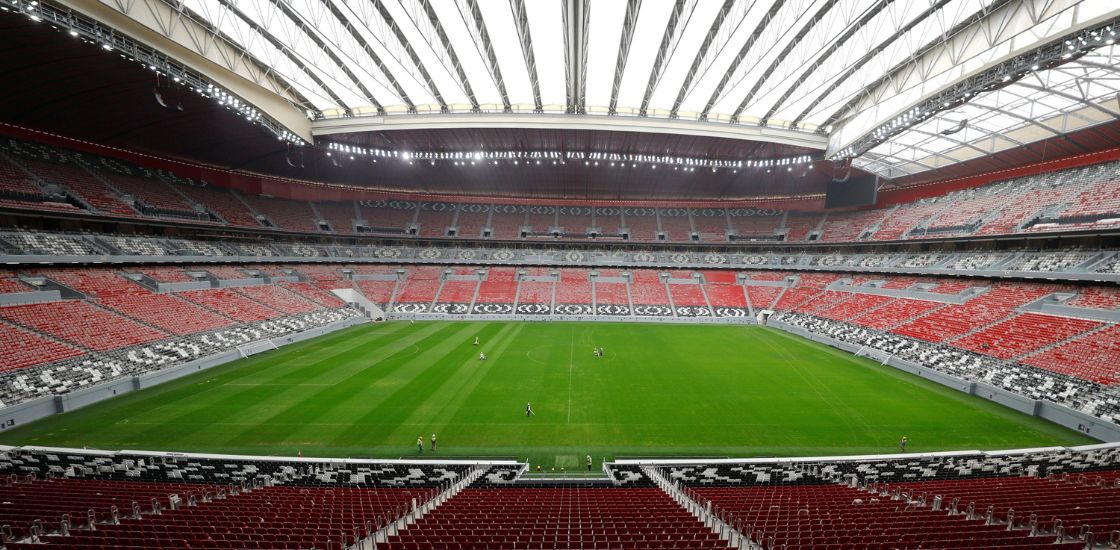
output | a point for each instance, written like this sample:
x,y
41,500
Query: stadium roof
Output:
x,y
834,78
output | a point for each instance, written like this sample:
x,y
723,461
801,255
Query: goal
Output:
x,y
253,348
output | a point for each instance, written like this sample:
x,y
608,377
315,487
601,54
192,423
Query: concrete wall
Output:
x,y
29,411
32,297
572,318
1058,414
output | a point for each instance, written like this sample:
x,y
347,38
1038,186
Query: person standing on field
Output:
x,y
528,409
433,442
420,444
588,463
902,444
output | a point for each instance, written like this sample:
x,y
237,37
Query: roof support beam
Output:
x,y
576,19
489,56
271,39
521,18
1071,97
668,42
312,33
628,25
749,135
781,57
870,14
252,24
445,43
871,55
742,55
713,32
388,17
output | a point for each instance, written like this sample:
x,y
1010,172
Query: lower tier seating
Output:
x,y
558,517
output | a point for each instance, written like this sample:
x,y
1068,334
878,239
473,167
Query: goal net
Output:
x,y
876,354
253,348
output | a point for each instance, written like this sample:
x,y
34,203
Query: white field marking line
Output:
x,y
571,364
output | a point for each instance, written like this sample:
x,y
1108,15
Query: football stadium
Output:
x,y
559,274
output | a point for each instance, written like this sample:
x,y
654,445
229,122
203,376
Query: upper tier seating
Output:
x,y
576,220
1100,200
506,223
1076,198
541,219
643,225
850,226
284,214
153,194
757,225
223,203
675,224
339,215
801,225
81,182
472,220
434,223
710,224
900,221
387,217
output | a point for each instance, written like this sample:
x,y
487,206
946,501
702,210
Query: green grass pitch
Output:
x,y
660,390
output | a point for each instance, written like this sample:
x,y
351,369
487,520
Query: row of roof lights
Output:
x,y
472,158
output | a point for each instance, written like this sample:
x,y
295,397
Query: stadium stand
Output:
x,y
339,216
558,517
99,329
231,304
435,219
499,287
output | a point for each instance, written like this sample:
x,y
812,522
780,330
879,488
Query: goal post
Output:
x,y
874,353
253,348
